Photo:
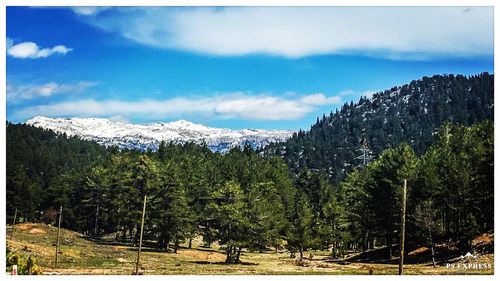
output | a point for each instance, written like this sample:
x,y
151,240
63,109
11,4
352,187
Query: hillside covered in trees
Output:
x,y
411,113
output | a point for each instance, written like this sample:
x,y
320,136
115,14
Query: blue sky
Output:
x,y
270,68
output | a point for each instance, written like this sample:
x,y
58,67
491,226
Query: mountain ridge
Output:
x,y
136,136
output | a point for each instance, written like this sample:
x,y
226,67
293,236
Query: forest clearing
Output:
x,y
80,255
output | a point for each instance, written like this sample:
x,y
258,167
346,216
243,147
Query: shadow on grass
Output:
x,y
380,255
223,263
147,246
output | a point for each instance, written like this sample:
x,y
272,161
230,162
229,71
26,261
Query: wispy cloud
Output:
x,y
28,92
320,99
89,10
400,33
226,106
31,50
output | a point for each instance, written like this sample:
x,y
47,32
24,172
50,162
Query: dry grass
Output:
x,y
81,256
483,239
32,228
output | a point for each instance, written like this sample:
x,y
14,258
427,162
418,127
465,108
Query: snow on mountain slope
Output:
x,y
134,136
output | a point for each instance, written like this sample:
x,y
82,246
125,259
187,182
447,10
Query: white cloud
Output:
x,y
226,106
32,50
27,92
389,32
320,99
88,10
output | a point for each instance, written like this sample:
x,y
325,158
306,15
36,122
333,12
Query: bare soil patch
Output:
x,y
31,228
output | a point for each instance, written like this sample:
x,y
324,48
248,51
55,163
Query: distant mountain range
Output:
x,y
142,137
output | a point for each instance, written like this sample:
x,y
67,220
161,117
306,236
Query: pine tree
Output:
x,y
169,212
388,173
226,213
300,229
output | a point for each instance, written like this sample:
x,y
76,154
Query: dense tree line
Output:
x,y
35,159
241,200
410,113
450,191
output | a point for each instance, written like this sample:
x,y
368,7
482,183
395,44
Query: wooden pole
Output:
x,y
29,262
140,237
13,225
402,233
58,232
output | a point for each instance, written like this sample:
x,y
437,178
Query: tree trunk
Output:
x,y
301,250
117,233
388,243
447,223
124,234
238,255
131,234
176,246
166,242
431,243
228,254
433,255
366,245
96,222
334,254
136,236
190,243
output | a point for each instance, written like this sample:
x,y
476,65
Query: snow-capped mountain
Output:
x,y
134,136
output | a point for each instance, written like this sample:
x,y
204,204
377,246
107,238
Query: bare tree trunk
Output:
x,y
124,233
166,243
432,248
433,255
190,243
117,233
366,243
136,236
388,243
402,232
96,223
238,255
140,238
13,226
228,254
131,234
176,246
